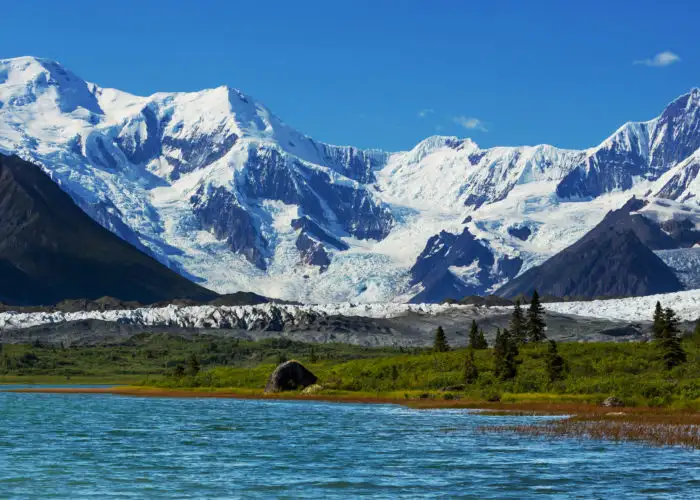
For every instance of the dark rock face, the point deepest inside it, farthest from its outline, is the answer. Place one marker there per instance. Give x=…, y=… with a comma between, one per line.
x=509, y=266
x=50, y=250
x=678, y=130
x=270, y=174
x=188, y=155
x=219, y=211
x=312, y=229
x=613, y=167
x=679, y=182
x=354, y=163
x=682, y=232
x=446, y=250
x=522, y=233
x=611, y=260
x=136, y=149
x=289, y=376
x=312, y=252
x=638, y=151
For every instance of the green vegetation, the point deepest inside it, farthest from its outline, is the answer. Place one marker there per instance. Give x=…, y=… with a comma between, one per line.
x=155, y=355
x=517, y=324
x=505, y=353
x=555, y=363
x=440, y=344
x=535, y=320
x=634, y=372
x=665, y=372
x=471, y=372
x=477, y=340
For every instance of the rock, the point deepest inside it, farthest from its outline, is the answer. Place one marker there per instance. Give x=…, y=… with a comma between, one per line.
x=289, y=376
x=453, y=388
x=313, y=389
x=612, y=402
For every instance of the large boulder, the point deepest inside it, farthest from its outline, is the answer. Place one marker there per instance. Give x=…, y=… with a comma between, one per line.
x=289, y=376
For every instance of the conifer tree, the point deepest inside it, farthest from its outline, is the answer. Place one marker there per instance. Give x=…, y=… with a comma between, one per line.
x=555, y=363
x=481, y=341
x=517, y=324
x=440, y=344
x=659, y=320
x=471, y=373
x=671, y=323
x=473, y=334
x=476, y=337
x=192, y=365
x=669, y=340
x=672, y=351
x=535, y=320
x=505, y=352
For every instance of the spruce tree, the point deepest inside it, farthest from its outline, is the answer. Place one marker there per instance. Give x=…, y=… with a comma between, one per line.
x=440, y=344
x=505, y=352
x=555, y=363
x=669, y=340
x=659, y=320
x=471, y=373
x=481, y=341
x=672, y=351
x=473, y=334
x=192, y=365
x=517, y=324
x=671, y=323
x=535, y=320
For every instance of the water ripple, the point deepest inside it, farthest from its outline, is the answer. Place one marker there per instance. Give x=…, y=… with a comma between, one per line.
x=80, y=446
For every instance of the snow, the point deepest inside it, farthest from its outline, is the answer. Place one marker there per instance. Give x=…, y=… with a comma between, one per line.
x=74, y=130
x=686, y=304
x=245, y=317
x=634, y=309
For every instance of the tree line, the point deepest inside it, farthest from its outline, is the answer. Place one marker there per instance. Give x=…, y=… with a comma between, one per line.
x=530, y=327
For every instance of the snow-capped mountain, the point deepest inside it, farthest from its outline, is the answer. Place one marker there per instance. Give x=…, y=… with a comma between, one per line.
x=215, y=186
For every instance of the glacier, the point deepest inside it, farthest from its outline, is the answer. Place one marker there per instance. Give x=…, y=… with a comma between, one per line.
x=261, y=316
x=218, y=188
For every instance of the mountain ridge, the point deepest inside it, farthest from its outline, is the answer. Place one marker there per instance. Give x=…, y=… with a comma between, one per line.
x=51, y=251
x=210, y=184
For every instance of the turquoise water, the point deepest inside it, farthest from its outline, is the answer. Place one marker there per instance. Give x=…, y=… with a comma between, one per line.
x=87, y=446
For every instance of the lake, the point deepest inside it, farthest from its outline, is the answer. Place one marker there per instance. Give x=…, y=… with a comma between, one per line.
x=77, y=446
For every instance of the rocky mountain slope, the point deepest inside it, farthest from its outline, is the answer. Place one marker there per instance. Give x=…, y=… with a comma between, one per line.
x=215, y=186
x=614, y=259
x=51, y=250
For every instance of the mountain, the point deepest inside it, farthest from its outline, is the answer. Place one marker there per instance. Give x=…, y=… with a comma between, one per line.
x=215, y=186
x=50, y=250
x=614, y=259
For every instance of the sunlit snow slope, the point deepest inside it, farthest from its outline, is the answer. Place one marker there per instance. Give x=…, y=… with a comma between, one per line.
x=215, y=186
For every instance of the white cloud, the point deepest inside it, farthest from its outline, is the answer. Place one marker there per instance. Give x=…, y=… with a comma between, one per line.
x=661, y=59
x=470, y=123
x=425, y=112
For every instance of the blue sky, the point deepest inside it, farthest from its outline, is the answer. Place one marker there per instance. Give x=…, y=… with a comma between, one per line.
x=387, y=74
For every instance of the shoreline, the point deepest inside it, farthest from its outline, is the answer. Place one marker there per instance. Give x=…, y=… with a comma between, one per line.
x=644, y=425
x=535, y=406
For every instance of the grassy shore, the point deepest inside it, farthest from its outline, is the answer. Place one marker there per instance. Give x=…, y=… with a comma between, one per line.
x=661, y=406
